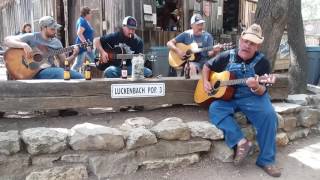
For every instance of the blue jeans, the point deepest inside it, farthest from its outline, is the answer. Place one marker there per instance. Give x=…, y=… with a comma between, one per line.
x=56, y=73
x=79, y=60
x=115, y=72
x=259, y=112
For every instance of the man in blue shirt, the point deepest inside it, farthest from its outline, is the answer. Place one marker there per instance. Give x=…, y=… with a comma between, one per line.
x=125, y=36
x=85, y=33
x=195, y=35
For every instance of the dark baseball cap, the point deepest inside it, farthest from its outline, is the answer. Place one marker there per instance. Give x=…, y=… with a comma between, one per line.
x=130, y=22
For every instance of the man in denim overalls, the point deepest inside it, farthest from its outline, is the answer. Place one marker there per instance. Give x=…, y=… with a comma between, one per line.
x=251, y=98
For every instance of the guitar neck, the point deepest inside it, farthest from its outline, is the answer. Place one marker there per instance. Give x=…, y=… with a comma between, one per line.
x=60, y=51
x=240, y=81
x=203, y=49
x=125, y=56
x=234, y=82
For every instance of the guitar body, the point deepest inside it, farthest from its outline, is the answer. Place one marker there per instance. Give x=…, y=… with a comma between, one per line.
x=21, y=67
x=175, y=61
x=112, y=56
x=219, y=92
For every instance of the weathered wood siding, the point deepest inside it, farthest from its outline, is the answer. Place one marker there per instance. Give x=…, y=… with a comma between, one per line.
x=247, y=11
x=213, y=21
x=15, y=13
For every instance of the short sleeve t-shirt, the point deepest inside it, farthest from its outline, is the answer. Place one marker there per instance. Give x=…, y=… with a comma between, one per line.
x=35, y=40
x=88, y=32
x=204, y=40
x=109, y=41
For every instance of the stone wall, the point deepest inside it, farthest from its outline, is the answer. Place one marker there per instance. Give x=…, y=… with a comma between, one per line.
x=90, y=150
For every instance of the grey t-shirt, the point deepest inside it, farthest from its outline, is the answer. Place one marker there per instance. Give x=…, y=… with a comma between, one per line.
x=36, y=42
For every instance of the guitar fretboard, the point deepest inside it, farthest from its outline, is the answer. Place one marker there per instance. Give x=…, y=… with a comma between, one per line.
x=53, y=52
x=233, y=82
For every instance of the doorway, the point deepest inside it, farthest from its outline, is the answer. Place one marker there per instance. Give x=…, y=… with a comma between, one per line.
x=230, y=15
x=169, y=15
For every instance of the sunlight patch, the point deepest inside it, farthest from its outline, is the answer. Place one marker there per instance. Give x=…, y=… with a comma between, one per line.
x=309, y=155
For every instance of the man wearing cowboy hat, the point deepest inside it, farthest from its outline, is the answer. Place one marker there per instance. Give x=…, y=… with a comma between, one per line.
x=250, y=98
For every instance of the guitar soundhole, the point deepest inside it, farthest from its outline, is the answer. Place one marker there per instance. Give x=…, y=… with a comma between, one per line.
x=37, y=57
x=216, y=85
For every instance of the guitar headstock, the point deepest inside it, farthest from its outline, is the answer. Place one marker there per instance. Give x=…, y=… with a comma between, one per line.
x=150, y=56
x=224, y=46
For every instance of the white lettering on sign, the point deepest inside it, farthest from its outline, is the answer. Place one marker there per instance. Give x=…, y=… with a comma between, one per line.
x=137, y=90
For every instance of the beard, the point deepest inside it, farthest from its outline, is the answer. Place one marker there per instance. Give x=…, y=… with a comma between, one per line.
x=49, y=35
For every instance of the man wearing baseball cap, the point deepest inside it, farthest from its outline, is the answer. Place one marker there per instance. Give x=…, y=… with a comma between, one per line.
x=194, y=35
x=126, y=35
x=251, y=98
x=45, y=39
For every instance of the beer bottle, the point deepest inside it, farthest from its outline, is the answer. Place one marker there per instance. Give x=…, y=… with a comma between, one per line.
x=124, y=70
x=66, y=74
x=87, y=71
x=187, y=70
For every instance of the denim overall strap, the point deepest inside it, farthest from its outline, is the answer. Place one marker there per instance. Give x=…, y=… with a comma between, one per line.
x=242, y=70
x=258, y=57
x=232, y=57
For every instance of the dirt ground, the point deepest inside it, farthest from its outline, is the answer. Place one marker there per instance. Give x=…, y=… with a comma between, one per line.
x=299, y=160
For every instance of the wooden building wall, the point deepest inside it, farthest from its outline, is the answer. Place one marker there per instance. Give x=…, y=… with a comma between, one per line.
x=17, y=12
x=247, y=11
x=108, y=15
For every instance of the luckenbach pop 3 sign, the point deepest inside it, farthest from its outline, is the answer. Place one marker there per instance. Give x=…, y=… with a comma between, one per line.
x=137, y=90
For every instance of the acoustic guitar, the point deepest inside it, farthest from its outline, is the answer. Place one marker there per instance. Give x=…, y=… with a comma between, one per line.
x=222, y=87
x=116, y=54
x=21, y=67
x=191, y=50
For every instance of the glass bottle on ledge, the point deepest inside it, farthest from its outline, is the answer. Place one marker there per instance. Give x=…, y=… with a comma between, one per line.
x=187, y=70
x=66, y=73
x=87, y=71
x=124, y=69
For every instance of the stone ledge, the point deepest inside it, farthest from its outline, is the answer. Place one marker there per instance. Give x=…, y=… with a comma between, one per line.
x=172, y=143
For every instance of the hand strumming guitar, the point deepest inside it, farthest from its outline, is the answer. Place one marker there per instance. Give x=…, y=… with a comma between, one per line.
x=104, y=56
x=207, y=86
x=181, y=54
x=27, y=50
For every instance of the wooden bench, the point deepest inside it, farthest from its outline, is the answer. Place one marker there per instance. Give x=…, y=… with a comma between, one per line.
x=28, y=95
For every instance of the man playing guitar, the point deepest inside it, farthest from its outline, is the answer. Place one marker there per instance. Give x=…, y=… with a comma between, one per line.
x=46, y=42
x=129, y=42
x=250, y=98
x=195, y=35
